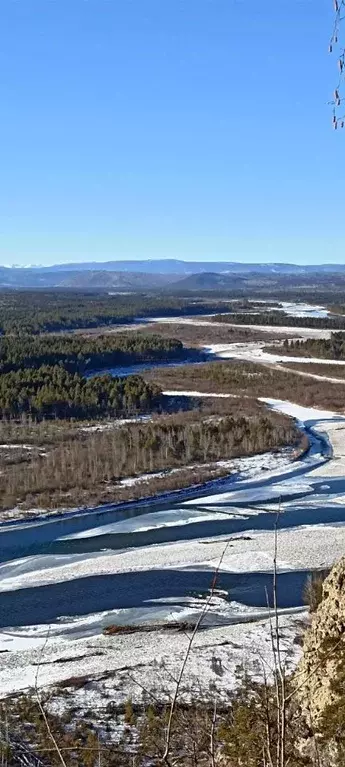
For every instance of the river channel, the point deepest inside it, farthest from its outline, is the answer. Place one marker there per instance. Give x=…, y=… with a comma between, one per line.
x=34, y=548
x=74, y=565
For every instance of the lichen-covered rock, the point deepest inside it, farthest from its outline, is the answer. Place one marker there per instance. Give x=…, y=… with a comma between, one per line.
x=319, y=678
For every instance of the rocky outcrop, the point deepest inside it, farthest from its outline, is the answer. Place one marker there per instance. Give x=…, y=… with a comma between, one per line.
x=319, y=679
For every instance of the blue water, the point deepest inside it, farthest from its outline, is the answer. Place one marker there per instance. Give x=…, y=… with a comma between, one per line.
x=45, y=604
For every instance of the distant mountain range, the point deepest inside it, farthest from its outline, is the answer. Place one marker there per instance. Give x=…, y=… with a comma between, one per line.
x=154, y=274
x=209, y=281
x=87, y=279
x=175, y=266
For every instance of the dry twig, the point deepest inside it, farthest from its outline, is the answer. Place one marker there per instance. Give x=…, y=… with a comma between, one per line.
x=165, y=757
x=40, y=706
x=337, y=102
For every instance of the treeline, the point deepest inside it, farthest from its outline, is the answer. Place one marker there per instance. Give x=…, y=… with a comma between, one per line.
x=53, y=392
x=332, y=348
x=87, y=470
x=49, y=311
x=281, y=319
x=79, y=354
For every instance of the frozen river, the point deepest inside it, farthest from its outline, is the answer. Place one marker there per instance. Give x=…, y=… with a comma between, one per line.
x=154, y=561
x=74, y=566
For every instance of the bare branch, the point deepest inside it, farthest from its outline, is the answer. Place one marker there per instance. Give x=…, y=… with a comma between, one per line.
x=213, y=727
x=338, y=118
x=165, y=757
x=40, y=706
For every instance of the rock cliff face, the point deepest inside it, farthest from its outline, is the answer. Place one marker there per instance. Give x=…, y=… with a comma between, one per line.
x=319, y=678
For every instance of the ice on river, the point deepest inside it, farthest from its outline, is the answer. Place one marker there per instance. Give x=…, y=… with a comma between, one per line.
x=254, y=352
x=304, y=415
x=303, y=310
x=144, y=523
x=265, y=465
x=251, y=495
x=152, y=575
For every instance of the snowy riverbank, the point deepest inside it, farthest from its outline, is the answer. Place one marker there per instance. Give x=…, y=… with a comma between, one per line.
x=141, y=572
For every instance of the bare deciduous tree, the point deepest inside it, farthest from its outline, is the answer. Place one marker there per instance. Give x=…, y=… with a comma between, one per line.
x=337, y=46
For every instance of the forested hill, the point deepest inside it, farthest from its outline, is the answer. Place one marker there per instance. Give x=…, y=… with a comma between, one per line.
x=80, y=354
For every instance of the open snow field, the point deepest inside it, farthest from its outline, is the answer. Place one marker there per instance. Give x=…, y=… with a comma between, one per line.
x=126, y=667
x=254, y=352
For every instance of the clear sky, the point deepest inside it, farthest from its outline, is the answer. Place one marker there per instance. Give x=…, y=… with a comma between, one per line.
x=194, y=129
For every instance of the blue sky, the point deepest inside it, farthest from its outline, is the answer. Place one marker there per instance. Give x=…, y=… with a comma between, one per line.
x=194, y=129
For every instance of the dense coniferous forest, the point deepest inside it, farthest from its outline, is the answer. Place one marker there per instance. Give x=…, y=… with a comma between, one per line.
x=53, y=392
x=281, y=319
x=51, y=311
x=36, y=312
x=79, y=353
x=332, y=348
